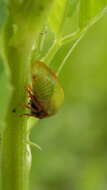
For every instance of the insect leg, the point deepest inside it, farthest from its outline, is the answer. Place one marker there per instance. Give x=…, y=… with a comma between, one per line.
x=29, y=114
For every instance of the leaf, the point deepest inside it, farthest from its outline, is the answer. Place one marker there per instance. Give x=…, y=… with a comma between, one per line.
x=5, y=91
x=64, y=9
x=72, y=5
x=90, y=12
x=57, y=15
x=89, y=9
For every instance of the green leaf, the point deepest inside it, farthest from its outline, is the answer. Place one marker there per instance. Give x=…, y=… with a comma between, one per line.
x=72, y=5
x=57, y=16
x=5, y=91
x=89, y=9
x=64, y=9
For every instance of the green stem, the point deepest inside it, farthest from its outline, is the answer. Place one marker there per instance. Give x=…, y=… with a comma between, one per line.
x=16, y=155
x=21, y=32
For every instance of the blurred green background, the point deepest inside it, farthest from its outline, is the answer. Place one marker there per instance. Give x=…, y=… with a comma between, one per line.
x=74, y=142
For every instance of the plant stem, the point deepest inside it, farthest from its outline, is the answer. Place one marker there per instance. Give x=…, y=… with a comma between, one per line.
x=16, y=155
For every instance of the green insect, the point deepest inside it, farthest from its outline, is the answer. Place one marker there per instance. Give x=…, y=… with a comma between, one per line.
x=46, y=94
